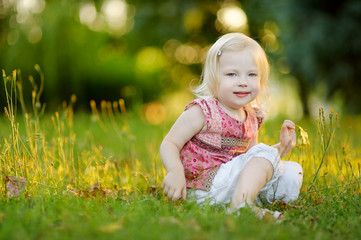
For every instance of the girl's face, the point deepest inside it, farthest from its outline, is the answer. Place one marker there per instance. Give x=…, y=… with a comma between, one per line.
x=239, y=79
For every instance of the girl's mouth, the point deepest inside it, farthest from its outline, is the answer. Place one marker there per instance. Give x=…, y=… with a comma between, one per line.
x=241, y=94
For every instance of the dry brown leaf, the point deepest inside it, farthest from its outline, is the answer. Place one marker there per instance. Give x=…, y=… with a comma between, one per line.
x=72, y=192
x=318, y=202
x=14, y=185
x=268, y=217
x=110, y=193
x=84, y=194
x=95, y=186
x=93, y=191
x=153, y=189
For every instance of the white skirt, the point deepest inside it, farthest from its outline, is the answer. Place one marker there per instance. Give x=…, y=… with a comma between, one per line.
x=284, y=185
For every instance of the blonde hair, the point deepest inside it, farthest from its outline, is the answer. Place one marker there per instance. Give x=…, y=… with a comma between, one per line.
x=226, y=43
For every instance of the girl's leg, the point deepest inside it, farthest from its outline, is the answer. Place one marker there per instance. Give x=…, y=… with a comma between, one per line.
x=287, y=187
x=256, y=173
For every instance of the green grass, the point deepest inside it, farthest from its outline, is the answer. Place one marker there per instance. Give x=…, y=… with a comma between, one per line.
x=62, y=154
x=68, y=217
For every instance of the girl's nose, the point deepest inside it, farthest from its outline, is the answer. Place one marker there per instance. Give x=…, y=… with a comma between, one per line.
x=242, y=81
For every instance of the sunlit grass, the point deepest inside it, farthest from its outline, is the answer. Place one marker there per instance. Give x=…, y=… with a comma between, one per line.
x=111, y=157
x=58, y=150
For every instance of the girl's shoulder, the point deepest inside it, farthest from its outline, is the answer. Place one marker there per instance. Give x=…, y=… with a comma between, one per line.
x=207, y=104
x=209, y=100
x=258, y=114
x=209, y=108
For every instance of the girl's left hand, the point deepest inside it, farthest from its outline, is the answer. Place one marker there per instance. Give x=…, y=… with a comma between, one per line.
x=287, y=137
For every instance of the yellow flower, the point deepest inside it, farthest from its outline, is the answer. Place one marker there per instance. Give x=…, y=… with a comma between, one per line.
x=303, y=137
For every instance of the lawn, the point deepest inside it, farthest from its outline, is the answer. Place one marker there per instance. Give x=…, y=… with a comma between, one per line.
x=98, y=175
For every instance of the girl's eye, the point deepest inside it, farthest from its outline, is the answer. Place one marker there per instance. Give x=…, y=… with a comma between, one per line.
x=253, y=75
x=231, y=74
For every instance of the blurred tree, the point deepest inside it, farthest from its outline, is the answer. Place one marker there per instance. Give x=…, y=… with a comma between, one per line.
x=103, y=49
x=320, y=44
x=74, y=57
x=107, y=49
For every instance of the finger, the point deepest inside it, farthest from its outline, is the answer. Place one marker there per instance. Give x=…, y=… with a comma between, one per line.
x=165, y=190
x=170, y=194
x=294, y=137
x=289, y=124
x=165, y=183
x=184, y=193
x=284, y=132
x=287, y=132
x=176, y=195
x=293, y=133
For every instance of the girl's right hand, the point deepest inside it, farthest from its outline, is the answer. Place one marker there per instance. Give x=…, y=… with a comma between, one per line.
x=174, y=185
x=287, y=137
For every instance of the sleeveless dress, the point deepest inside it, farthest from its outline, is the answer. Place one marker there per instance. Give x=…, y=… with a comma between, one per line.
x=223, y=138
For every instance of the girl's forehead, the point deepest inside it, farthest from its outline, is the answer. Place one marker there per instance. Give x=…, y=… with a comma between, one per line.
x=240, y=56
x=242, y=52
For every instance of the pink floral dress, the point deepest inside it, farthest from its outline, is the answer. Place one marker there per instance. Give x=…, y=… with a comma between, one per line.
x=223, y=139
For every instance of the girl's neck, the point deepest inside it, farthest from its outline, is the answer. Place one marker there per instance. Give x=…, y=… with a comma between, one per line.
x=238, y=114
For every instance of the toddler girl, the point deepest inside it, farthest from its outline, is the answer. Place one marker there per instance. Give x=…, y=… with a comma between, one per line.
x=212, y=148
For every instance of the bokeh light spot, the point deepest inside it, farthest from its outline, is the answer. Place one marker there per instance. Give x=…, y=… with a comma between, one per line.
x=115, y=17
x=33, y=6
x=269, y=39
x=87, y=13
x=154, y=113
x=150, y=59
x=115, y=12
x=232, y=18
x=188, y=53
x=193, y=20
x=170, y=47
x=35, y=34
x=13, y=37
x=283, y=67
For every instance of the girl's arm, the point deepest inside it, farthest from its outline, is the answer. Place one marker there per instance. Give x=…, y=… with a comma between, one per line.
x=187, y=125
x=287, y=138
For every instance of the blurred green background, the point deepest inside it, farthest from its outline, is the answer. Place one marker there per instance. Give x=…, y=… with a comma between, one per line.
x=149, y=51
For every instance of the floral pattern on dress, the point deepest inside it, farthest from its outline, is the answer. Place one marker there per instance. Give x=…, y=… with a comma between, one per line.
x=223, y=139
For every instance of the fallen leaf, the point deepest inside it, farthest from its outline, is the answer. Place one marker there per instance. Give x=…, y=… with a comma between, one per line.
x=268, y=217
x=14, y=185
x=84, y=194
x=95, y=186
x=317, y=202
x=93, y=191
x=98, y=193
